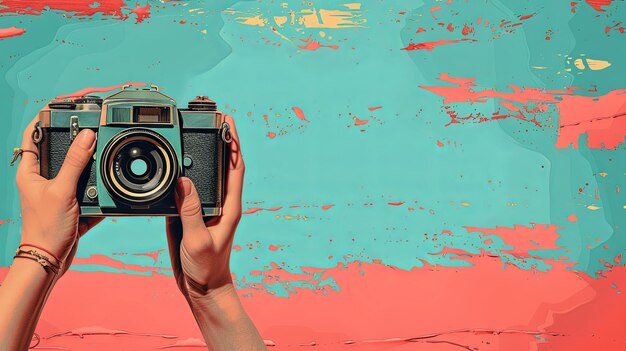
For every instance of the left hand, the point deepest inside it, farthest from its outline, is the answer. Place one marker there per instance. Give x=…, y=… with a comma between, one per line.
x=50, y=217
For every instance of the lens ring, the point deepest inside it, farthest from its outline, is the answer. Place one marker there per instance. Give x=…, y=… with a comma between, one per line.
x=152, y=185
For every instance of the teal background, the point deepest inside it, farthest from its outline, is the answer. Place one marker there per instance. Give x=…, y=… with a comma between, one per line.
x=329, y=160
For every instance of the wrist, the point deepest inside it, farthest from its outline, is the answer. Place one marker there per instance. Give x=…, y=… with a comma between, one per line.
x=221, y=304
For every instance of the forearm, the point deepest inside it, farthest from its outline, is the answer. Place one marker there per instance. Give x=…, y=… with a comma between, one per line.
x=223, y=321
x=22, y=296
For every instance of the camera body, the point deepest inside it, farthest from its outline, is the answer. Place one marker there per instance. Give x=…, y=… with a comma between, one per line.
x=144, y=144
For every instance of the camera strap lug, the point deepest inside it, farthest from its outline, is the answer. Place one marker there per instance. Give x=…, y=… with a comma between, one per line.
x=74, y=127
x=226, y=136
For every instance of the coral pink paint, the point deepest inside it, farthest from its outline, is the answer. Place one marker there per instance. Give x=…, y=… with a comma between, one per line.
x=79, y=7
x=523, y=238
x=439, y=143
x=360, y=122
x=374, y=108
x=467, y=29
x=236, y=247
x=299, y=113
x=91, y=90
x=603, y=117
x=4, y=221
x=113, y=263
x=153, y=255
x=429, y=46
x=273, y=247
x=598, y=4
x=273, y=208
x=398, y=203
x=271, y=135
x=525, y=17
x=450, y=28
x=142, y=13
x=11, y=32
x=326, y=207
x=314, y=45
x=432, y=11
x=485, y=307
x=420, y=30
x=572, y=218
x=253, y=210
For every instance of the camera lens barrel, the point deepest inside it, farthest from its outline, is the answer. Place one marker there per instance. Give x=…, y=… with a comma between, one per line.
x=138, y=167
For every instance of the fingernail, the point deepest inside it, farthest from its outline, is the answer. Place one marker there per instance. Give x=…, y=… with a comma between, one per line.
x=86, y=138
x=186, y=185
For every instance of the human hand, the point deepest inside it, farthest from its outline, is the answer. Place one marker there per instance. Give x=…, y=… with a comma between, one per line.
x=200, y=250
x=49, y=207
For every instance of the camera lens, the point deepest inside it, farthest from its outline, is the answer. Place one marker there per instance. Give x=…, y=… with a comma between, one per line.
x=138, y=166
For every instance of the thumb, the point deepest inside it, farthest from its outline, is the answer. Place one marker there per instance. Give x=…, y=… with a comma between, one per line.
x=76, y=159
x=189, y=206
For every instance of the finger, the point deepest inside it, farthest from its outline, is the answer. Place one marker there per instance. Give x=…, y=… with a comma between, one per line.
x=86, y=223
x=76, y=159
x=28, y=165
x=234, y=178
x=174, y=229
x=189, y=207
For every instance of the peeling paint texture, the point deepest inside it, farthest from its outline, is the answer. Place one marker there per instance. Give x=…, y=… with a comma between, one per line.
x=430, y=175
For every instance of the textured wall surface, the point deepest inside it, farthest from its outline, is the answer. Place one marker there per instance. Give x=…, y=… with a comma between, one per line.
x=421, y=175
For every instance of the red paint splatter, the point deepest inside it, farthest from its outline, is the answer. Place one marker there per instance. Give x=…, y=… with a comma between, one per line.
x=253, y=210
x=4, y=221
x=299, y=113
x=11, y=32
x=603, y=117
x=102, y=260
x=599, y=4
x=271, y=135
x=398, y=203
x=429, y=46
x=450, y=28
x=314, y=45
x=525, y=17
x=374, y=108
x=153, y=255
x=572, y=218
x=360, y=122
x=273, y=247
x=326, y=207
x=439, y=143
x=273, y=208
x=420, y=30
x=432, y=11
x=78, y=7
x=142, y=13
x=236, y=247
x=523, y=238
x=467, y=30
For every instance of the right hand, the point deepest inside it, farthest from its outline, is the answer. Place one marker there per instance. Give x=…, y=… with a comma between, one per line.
x=199, y=249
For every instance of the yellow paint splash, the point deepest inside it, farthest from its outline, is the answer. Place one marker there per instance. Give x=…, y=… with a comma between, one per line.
x=280, y=20
x=465, y=204
x=603, y=174
x=253, y=21
x=353, y=6
x=593, y=207
x=323, y=18
x=594, y=65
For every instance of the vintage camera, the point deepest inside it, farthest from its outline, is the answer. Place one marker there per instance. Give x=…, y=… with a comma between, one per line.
x=144, y=143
